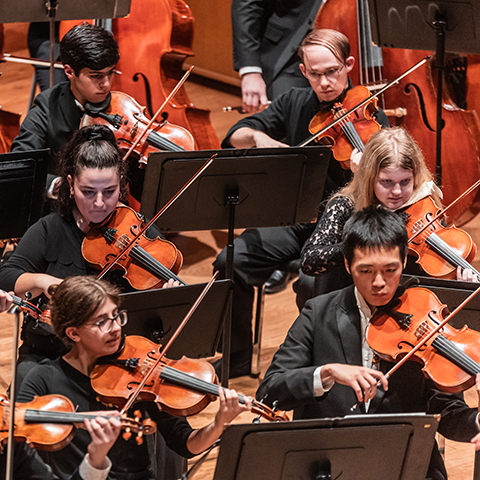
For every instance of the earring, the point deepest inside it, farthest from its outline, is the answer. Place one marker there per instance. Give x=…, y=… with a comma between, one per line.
x=72, y=195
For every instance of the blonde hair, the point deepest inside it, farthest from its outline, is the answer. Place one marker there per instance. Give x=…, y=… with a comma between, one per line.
x=334, y=41
x=389, y=147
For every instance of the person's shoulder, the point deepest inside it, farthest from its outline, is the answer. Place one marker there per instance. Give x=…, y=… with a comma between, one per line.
x=340, y=297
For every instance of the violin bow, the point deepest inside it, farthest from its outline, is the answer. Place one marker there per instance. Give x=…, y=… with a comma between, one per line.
x=362, y=103
x=441, y=213
x=163, y=352
x=147, y=128
x=130, y=244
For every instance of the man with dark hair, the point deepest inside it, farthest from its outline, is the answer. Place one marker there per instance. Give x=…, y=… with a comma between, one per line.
x=89, y=55
x=325, y=365
x=326, y=62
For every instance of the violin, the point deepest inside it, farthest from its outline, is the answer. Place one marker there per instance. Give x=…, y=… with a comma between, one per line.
x=182, y=387
x=353, y=131
x=48, y=422
x=450, y=358
x=439, y=249
x=31, y=309
x=147, y=263
x=127, y=119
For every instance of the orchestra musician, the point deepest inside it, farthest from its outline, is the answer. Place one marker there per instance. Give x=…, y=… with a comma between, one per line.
x=85, y=313
x=95, y=465
x=326, y=62
x=325, y=365
x=93, y=184
x=89, y=55
x=392, y=172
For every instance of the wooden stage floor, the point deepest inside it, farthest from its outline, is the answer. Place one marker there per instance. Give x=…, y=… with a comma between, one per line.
x=199, y=249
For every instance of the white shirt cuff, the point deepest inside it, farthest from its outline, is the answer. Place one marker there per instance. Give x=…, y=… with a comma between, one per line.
x=318, y=388
x=87, y=472
x=52, y=186
x=245, y=70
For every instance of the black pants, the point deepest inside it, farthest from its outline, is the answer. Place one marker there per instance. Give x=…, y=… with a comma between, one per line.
x=258, y=253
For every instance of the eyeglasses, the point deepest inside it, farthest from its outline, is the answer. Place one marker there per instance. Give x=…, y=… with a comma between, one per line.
x=331, y=74
x=106, y=324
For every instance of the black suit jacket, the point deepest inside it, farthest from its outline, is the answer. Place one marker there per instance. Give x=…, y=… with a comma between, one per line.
x=267, y=33
x=328, y=331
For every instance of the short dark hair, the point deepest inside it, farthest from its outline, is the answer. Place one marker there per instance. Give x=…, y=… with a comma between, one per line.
x=88, y=46
x=374, y=228
x=93, y=146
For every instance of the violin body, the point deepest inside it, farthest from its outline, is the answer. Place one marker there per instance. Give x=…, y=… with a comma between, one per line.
x=182, y=387
x=126, y=118
x=45, y=436
x=147, y=264
x=48, y=422
x=114, y=383
x=392, y=338
x=438, y=243
x=354, y=131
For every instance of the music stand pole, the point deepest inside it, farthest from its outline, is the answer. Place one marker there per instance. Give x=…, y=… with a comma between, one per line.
x=11, y=420
x=440, y=26
x=52, y=10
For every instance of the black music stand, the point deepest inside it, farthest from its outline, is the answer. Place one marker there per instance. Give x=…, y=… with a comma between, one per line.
x=22, y=184
x=53, y=10
x=363, y=447
x=445, y=25
x=155, y=314
x=258, y=187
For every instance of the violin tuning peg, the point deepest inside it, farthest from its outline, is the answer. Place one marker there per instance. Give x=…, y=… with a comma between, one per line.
x=139, y=438
x=137, y=415
x=127, y=434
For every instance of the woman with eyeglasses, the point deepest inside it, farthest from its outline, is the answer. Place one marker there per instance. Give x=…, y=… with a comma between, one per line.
x=93, y=183
x=85, y=313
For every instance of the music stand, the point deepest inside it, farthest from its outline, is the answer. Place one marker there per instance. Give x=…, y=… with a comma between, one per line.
x=53, y=10
x=451, y=25
x=22, y=184
x=155, y=314
x=258, y=187
x=363, y=447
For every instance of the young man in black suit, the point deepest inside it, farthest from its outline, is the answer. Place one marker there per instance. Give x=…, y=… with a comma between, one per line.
x=325, y=366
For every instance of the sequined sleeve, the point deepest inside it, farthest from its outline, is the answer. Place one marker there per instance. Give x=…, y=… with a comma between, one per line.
x=323, y=249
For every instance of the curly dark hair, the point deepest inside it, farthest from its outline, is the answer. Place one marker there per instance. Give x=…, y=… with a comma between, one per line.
x=88, y=46
x=76, y=300
x=93, y=146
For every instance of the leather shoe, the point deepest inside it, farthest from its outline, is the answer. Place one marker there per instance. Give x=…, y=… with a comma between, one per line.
x=278, y=281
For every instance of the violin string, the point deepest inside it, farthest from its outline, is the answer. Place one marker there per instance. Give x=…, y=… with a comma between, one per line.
x=162, y=143
x=145, y=258
x=448, y=347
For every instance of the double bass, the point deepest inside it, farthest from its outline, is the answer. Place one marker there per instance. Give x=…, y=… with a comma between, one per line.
x=416, y=96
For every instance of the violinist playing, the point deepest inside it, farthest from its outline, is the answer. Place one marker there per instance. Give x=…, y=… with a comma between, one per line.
x=93, y=184
x=325, y=365
x=325, y=63
x=89, y=55
x=85, y=313
x=392, y=172
x=94, y=466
